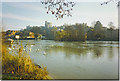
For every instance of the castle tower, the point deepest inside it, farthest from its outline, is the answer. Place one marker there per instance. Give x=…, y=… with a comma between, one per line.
x=48, y=24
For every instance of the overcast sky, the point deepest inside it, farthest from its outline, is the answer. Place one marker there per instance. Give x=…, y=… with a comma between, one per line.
x=17, y=15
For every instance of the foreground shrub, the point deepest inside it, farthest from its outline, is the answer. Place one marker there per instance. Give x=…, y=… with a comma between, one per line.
x=20, y=66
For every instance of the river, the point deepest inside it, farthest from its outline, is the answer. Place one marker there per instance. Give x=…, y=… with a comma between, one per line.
x=76, y=60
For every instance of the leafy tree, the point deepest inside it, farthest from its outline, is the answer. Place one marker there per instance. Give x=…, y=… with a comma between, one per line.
x=90, y=35
x=98, y=25
x=38, y=36
x=73, y=33
x=53, y=32
x=81, y=31
x=36, y=30
x=98, y=32
x=61, y=36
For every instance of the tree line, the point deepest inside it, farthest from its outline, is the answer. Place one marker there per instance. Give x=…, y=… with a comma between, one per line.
x=82, y=32
x=76, y=32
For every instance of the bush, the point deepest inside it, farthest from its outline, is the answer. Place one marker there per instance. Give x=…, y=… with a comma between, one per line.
x=20, y=66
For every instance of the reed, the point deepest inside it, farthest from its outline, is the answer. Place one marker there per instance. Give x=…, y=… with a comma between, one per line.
x=20, y=66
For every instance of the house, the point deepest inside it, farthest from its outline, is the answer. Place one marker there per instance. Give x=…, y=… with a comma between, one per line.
x=11, y=32
x=31, y=35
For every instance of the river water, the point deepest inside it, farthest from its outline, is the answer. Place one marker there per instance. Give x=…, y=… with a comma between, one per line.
x=76, y=60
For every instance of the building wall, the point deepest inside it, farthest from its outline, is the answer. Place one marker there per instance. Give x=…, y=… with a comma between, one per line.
x=48, y=24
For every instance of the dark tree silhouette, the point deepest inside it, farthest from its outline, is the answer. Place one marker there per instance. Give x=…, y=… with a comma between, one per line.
x=59, y=8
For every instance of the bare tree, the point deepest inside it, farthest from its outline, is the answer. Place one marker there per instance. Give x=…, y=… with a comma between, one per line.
x=59, y=8
x=109, y=1
x=93, y=23
x=111, y=25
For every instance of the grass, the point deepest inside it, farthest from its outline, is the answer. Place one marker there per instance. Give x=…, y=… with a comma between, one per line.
x=20, y=66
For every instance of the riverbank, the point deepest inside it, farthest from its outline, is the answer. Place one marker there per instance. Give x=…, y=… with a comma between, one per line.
x=20, y=66
x=7, y=76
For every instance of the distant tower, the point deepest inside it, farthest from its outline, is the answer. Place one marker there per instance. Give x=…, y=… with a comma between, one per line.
x=48, y=24
x=28, y=27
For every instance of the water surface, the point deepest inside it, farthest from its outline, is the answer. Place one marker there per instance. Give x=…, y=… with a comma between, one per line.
x=75, y=60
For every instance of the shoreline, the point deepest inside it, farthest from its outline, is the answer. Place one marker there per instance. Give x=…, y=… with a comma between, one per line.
x=48, y=76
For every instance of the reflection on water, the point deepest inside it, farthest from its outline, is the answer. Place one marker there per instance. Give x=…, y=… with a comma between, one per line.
x=97, y=52
x=111, y=52
x=75, y=60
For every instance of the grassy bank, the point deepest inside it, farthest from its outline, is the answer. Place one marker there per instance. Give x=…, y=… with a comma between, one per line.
x=20, y=66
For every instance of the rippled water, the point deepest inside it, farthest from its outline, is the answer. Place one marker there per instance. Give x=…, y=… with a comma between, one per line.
x=76, y=60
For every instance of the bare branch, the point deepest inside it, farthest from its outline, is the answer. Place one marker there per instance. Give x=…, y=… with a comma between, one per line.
x=59, y=8
x=108, y=1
